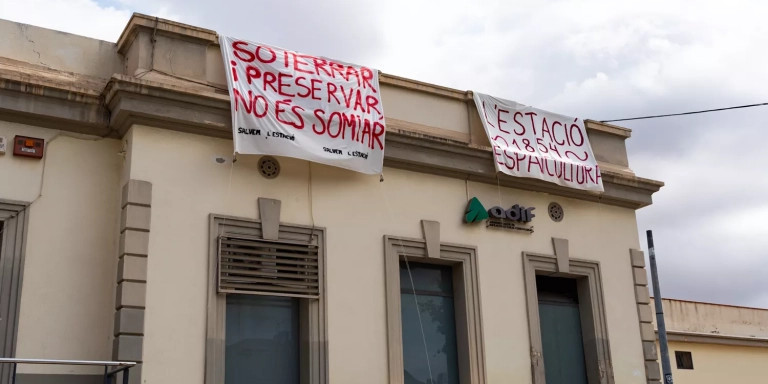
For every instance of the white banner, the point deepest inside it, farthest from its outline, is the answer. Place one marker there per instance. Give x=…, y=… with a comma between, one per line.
x=529, y=142
x=290, y=104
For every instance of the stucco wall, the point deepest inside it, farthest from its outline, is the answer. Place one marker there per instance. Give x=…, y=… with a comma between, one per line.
x=707, y=318
x=409, y=105
x=68, y=283
x=718, y=364
x=357, y=210
x=59, y=50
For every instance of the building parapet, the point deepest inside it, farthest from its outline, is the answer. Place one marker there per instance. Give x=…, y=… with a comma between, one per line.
x=431, y=128
x=706, y=321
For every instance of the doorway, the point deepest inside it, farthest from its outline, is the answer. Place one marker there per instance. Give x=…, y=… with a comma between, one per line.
x=561, y=331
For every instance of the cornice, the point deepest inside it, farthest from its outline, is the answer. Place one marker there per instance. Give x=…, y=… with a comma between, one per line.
x=420, y=86
x=415, y=152
x=163, y=26
x=715, y=338
x=135, y=101
x=181, y=31
x=54, y=99
x=608, y=128
x=127, y=100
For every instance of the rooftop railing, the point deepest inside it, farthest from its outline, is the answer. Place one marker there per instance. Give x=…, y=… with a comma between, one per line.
x=109, y=375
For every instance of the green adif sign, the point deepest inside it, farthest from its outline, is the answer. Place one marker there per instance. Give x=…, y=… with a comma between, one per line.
x=476, y=212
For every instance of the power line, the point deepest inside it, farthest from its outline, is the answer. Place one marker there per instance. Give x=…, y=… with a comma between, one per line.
x=686, y=113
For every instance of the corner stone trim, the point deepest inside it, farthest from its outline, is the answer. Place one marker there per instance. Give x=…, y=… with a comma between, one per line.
x=645, y=315
x=131, y=291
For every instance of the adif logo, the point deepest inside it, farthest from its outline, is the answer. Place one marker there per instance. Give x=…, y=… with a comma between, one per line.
x=476, y=212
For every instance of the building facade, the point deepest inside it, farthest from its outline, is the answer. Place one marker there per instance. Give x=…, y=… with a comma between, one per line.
x=136, y=234
x=715, y=343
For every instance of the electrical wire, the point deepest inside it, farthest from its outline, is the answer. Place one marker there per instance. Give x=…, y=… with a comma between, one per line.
x=418, y=314
x=48, y=142
x=686, y=113
x=152, y=68
x=498, y=187
x=410, y=276
x=309, y=197
x=466, y=187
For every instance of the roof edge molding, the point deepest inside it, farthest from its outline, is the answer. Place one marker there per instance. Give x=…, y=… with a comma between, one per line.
x=174, y=78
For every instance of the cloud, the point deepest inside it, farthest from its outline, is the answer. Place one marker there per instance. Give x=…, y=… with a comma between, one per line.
x=98, y=20
x=595, y=59
x=81, y=17
x=709, y=220
x=340, y=29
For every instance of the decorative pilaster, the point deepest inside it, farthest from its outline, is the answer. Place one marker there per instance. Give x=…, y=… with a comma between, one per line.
x=645, y=314
x=130, y=301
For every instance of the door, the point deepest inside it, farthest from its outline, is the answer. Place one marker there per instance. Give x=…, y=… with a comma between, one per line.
x=12, y=220
x=561, y=339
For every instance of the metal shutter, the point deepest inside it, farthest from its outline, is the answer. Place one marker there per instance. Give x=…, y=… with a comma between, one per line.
x=261, y=267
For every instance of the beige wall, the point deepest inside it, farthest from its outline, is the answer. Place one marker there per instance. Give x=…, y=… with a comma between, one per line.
x=718, y=364
x=410, y=105
x=59, y=50
x=708, y=318
x=714, y=362
x=67, y=294
x=69, y=280
x=357, y=210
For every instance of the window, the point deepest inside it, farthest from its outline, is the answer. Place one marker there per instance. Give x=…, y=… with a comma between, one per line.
x=266, y=312
x=433, y=314
x=684, y=360
x=12, y=237
x=429, y=328
x=566, y=309
x=262, y=337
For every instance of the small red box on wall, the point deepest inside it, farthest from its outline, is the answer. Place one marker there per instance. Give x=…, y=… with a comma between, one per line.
x=28, y=147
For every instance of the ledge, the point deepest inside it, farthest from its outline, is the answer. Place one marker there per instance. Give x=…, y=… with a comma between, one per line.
x=136, y=101
x=713, y=338
x=411, y=151
x=66, y=101
x=607, y=128
x=419, y=130
x=179, y=30
x=37, y=95
x=415, y=85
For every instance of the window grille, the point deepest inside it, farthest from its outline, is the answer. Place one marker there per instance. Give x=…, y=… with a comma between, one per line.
x=261, y=267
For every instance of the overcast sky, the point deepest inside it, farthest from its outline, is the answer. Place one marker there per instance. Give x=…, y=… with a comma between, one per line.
x=592, y=59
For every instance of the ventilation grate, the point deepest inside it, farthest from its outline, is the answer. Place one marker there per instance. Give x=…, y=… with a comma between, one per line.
x=269, y=167
x=261, y=267
x=556, y=212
